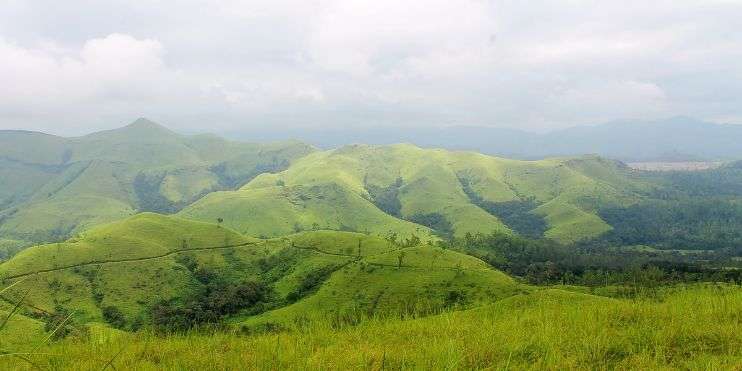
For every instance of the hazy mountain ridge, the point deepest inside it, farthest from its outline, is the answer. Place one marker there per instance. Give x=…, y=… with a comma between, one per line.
x=673, y=139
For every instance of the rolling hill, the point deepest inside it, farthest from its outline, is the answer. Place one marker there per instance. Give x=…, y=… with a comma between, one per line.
x=381, y=189
x=146, y=259
x=52, y=187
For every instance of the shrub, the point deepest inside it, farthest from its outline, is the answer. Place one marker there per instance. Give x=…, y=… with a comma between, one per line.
x=114, y=317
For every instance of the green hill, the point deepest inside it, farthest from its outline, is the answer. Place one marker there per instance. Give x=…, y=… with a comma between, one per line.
x=383, y=188
x=150, y=258
x=53, y=187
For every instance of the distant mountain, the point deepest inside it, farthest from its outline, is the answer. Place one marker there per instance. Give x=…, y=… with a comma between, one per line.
x=674, y=139
x=52, y=186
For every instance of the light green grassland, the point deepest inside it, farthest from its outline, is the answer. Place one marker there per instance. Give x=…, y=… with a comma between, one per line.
x=688, y=328
x=280, y=210
x=125, y=264
x=427, y=280
x=332, y=189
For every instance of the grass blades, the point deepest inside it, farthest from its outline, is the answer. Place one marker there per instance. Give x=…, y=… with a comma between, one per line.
x=694, y=327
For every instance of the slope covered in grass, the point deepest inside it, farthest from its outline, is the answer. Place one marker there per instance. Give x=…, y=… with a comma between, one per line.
x=693, y=328
x=149, y=258
x=52, y=187
x=281, y=210
x=123, y=264
x=452, y=193
x=385, y=279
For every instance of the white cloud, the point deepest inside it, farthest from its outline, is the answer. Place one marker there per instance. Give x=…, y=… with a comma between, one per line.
x=537, y=65
x=111, y=68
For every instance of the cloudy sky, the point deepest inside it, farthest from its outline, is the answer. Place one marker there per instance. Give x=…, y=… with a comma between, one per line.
x=225, y=65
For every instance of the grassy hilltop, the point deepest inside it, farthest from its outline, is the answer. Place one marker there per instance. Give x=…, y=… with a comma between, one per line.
x=149, y=258
x=383, y=188
x=52, y=187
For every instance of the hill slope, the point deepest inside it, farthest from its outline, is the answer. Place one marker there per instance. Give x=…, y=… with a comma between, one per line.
x=51, y=187
x=378, y=188
x=136, y=263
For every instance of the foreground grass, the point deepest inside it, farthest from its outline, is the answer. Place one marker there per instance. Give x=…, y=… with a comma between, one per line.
x=689, y=328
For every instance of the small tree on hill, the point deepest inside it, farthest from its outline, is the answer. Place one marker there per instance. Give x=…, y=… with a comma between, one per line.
x=219, y=221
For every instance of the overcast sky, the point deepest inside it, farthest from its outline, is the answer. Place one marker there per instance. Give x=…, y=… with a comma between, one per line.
x=73, y=67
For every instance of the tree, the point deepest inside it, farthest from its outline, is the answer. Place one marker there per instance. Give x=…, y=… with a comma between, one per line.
x=392, y=238
x=219, y=220
x=400, y=258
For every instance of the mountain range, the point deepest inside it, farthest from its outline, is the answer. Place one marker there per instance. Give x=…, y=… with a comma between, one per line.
x=672, y=139
x=53, y=187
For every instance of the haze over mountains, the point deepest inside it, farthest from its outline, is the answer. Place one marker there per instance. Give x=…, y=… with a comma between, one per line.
x=672, y=139
x=52, y=186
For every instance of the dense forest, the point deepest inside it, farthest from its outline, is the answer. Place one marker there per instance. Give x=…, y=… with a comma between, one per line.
x=595, y=263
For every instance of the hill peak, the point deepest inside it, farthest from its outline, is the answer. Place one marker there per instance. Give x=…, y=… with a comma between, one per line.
x=141, y=130
x=147, y=125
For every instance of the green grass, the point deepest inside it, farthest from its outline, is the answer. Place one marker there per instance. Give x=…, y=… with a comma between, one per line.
x=8, y=248
x=689, y=328
x=568, y=223
x=428, y=280
x=280, y=210
x=335, y=190
x=126, y=264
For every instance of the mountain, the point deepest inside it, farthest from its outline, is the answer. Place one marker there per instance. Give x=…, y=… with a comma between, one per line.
x=52, y=187
x=381, y=189
x=673, y=139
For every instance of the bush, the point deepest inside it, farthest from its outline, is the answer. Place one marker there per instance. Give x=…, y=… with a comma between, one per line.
x=208, y=306
x=114, y=317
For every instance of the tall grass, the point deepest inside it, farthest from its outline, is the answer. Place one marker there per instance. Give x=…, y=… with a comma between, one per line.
x=688, y=328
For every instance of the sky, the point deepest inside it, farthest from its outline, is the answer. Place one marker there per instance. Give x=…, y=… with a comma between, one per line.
x=74, y=67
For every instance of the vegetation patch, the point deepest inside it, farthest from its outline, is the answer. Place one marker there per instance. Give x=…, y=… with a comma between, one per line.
x=436, y=222
x=517, y=214
x=386, y=198
x=691, y=224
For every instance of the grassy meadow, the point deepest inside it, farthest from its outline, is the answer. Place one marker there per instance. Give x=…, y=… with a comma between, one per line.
x=685, y=327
